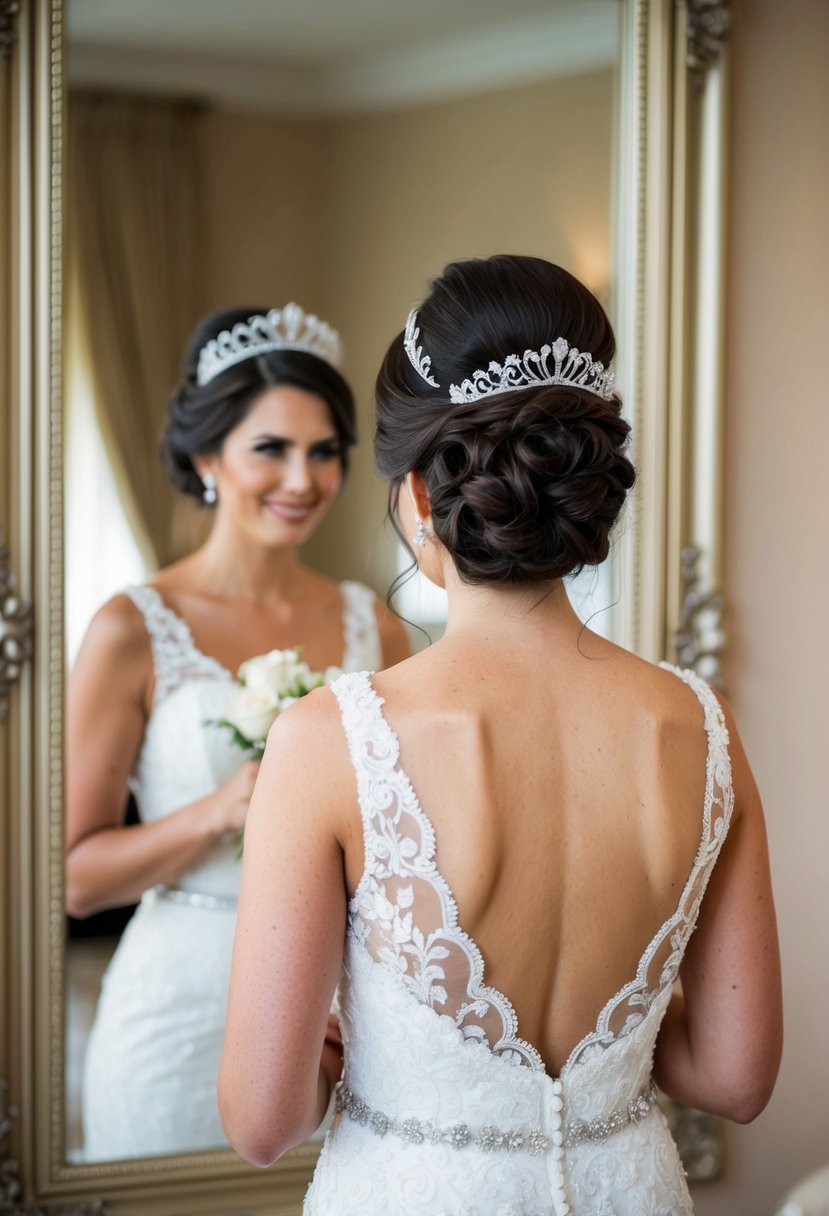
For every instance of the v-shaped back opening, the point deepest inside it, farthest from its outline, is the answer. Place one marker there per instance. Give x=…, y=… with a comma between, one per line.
x=406, y=915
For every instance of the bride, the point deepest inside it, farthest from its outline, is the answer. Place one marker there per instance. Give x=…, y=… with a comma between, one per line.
x=260, y=428
x=499, y=848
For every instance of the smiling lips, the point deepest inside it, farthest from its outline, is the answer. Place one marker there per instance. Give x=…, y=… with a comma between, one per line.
x=291, y=512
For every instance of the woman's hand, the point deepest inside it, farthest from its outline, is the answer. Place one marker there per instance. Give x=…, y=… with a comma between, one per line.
x=229, y=804
x=110, y=692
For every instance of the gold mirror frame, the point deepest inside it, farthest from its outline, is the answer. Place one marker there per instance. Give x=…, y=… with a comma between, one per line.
x=669, y=222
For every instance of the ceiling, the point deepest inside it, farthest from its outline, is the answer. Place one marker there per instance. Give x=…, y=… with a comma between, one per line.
x=306, y=57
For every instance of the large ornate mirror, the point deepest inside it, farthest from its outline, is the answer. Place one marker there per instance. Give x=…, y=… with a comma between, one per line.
x=339, y=155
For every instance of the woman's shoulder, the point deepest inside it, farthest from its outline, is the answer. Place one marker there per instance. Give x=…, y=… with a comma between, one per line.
x=119, y=624
x=311, y=729
x=118, y=644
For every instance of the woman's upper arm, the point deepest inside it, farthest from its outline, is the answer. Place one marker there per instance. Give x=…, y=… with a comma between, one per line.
x=289, y=934
x=394, y=641
x=105, y=718
x=731, y=971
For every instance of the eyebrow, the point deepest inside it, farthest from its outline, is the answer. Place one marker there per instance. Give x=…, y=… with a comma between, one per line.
x=267, y=438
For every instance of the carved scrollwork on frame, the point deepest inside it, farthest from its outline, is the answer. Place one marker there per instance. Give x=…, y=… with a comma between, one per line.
x=15, y=631
x=699, y=637
x=11, y=1201
x=709, y=23
x=8, y=11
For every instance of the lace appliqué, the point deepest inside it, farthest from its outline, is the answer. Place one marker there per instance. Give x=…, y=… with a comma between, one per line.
x=175, y=654
x=361, y=638
x=403, y=912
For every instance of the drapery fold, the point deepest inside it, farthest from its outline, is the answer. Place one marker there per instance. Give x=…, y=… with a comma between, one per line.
x=134, y=245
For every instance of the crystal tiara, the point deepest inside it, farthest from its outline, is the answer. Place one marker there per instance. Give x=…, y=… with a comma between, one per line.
x=530, y=370
x=288, y=328
x=420, y=362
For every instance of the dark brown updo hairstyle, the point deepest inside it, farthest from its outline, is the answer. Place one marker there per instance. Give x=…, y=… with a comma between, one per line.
x=525, y=485
x=200, y=418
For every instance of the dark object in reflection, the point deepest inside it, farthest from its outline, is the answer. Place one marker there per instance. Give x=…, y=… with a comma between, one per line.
x=112, y=921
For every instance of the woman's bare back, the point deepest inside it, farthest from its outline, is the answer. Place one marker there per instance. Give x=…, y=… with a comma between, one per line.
x=567, y=801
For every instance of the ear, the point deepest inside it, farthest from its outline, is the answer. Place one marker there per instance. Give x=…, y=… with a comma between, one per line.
x=205, y=464
x=419, y=495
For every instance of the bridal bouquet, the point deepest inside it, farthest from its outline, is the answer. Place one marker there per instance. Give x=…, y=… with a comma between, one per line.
x=268, y=684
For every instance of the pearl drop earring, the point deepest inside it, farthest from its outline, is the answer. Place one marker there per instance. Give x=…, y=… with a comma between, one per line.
x=209, y=494
x=419, y=537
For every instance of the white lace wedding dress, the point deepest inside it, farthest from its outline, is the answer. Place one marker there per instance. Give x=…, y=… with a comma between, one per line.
x=153, y=1055
x=443, y=1109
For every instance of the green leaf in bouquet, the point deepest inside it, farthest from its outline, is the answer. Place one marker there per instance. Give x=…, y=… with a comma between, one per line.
x=242, y=741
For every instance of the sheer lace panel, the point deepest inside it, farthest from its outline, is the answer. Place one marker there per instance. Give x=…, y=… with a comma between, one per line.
x=175, y=655
x=404, y=915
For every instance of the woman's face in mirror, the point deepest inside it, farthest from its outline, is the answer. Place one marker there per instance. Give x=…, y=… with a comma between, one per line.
x=279, y=469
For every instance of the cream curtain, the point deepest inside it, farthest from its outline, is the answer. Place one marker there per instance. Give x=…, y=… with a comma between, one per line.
x=133, y=296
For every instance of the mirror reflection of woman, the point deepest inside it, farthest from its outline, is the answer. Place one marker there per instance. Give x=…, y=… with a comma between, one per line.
x=259, y=428
x=501, y=846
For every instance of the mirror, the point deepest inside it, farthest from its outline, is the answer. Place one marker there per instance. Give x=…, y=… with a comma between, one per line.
x=326, y=154
x=400, y=160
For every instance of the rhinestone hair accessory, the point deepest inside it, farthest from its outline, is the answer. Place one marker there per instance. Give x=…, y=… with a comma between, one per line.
x=288, y=328
x=420, y=362
x=533, y=370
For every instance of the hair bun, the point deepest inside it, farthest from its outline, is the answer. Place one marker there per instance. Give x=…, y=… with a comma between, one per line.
x=530, y=492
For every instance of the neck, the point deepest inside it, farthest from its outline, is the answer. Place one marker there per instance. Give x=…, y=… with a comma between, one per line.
x=493, y=612
x=228, y=564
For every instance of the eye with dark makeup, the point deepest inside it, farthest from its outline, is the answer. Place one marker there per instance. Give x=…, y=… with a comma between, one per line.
x=324, y=450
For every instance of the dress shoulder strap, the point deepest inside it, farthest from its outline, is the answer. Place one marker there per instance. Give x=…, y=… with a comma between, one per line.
x=175, y=655
x=361, y=637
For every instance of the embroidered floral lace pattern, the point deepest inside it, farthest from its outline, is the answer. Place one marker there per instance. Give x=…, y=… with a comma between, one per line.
x=175, y=655
x=430, y=1045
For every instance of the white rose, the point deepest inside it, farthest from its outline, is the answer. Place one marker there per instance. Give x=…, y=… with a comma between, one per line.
x=331, y=674
x=271, y=671
x=252, y=711
x=302, y=676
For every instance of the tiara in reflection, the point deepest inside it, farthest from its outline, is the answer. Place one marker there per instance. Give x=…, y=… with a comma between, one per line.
x=533, y=369
x=288, y=328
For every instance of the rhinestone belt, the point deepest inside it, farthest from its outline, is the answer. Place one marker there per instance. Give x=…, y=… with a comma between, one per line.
x=492, y=1139
x=196, y=899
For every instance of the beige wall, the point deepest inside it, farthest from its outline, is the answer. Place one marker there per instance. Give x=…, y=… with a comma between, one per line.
x=263, y=206
x=777, y=568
